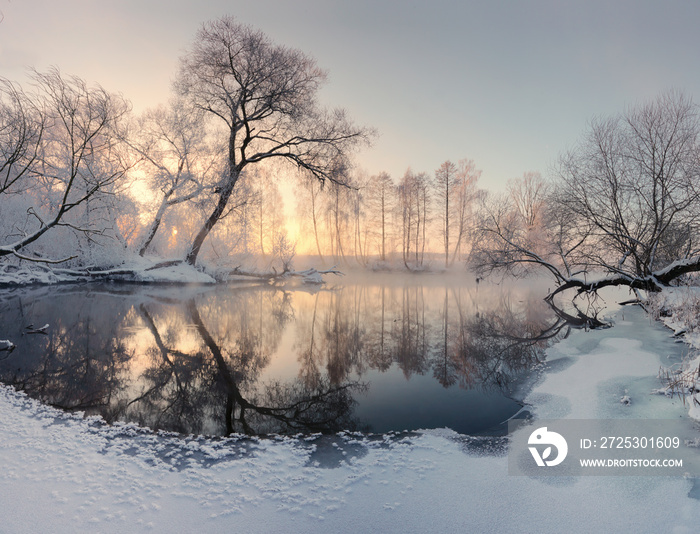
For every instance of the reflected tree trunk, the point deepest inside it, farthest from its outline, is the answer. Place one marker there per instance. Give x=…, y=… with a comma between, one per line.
x=233, y=393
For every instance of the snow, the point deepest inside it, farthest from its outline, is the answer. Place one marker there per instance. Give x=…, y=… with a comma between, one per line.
x=150, y=270
x=62, y=473
x=678, y=308
x=135, y=269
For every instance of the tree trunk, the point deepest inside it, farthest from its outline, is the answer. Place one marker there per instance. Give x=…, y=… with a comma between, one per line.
x=339, y=244
x=313, y=217
x=447, y=223
x=154, y=226
x=383, y=229
x=225, y=194
x=261, y=233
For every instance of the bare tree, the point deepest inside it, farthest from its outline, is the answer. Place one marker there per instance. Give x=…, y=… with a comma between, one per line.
x=466, y=195
x=22, y=125
x=445, y=183
x=267, y=220
x=407, y=208
x=265, y=96
x=177, y=158
x=360, y=227
x=422, y=200
x=338, y=214
x=529, y=194
x=79, y=155
x=381, y=194
x=414, y=206
x=525, y=227
x=626, y=204
x=309, y=205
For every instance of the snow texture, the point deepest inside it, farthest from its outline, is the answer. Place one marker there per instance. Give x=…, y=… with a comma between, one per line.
x=63, y=473
x=148, y=270
x=136, y=269
x=679, y=309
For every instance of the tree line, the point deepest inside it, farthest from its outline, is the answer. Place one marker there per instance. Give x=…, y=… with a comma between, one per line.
x=83, y=182
x=204, y=170
x=419, y=220
x=72, y=156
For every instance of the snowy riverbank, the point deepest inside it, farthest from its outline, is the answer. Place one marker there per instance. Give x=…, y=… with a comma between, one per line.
x=153, y=270
x=679, y=309
x=62, y=473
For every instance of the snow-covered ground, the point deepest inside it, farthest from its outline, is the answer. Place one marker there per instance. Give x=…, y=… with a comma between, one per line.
x=135, y=269
x=153, y=270
x=62, y=473
x=679, y=309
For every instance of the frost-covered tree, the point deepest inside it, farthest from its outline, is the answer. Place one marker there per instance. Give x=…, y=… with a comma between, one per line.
x=625, y=204
x=267, y=219
x=414, y=205
x=310, y=199
x=338, y=216
x=177, y=158
x=381, y=202
x=445, y=185
x=74, y=157
x=358, y=212
x=465, y=196
x=22, y=124
x=264, y=96
x=529, y=196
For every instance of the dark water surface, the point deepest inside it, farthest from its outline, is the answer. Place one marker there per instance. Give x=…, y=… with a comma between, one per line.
x=386, y=353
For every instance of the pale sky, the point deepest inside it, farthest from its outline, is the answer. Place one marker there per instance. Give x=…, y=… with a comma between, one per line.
x=507, y=84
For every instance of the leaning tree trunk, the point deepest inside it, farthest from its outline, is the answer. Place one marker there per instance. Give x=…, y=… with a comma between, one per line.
x=154, y=226
x=653, y=282
x=224, y=196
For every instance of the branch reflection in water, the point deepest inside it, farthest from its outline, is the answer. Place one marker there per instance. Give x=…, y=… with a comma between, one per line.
x=260, y=360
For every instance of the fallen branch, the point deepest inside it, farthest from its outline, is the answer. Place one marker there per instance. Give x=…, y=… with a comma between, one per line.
x=42, y=330
x=164, y=264
x=309, y=276
x=653, y=283
x=41, y=260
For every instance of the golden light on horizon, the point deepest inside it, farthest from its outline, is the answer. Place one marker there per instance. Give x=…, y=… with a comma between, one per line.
x=304, y=244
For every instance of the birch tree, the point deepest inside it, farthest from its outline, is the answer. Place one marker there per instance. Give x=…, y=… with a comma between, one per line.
x=466, y=196
x=445, y=185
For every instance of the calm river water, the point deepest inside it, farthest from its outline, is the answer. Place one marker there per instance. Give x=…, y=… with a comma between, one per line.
x=380, y=354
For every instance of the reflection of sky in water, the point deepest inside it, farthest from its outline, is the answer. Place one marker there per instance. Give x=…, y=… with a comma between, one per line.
x=190, y=359
x=394, y=403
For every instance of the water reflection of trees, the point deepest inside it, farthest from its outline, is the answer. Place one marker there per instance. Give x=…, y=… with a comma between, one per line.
x=198, y=363
x=214, y=387
x=423, y=330
x=71, y=365
x=190, y=366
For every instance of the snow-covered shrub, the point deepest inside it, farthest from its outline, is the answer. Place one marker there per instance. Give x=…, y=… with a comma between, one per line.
x=679, y=308
x=684, y=381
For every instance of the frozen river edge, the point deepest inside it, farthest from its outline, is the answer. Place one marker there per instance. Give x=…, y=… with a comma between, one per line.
x=63, y=473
